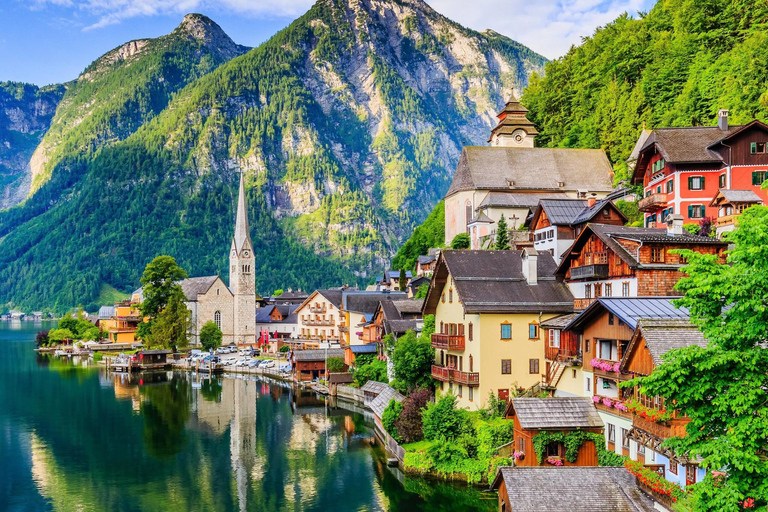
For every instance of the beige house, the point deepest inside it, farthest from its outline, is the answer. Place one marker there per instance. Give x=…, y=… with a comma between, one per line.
x=488, y=308
x=358, y=310
x=319, y=319
x=512, y=175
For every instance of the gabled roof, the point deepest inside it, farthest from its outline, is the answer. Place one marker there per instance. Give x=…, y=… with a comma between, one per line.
x=510, y=199
x=106, y=312
x=367, y=302
x=374, y=387
x=572, y=488
x=332, y=296
x=559, y=322
x=729, y=196
x=481, y=218
x=687, y=144
x=426, y=259
x=193, y=286
x=571, y=212
x=317, y=354
x=399, y=327
x=493, y=282
x=556, y=413
x=382, y=400
x=540, y=169
x=663, y=335
x=408, y=305
x=264, y=315
x=629, y=310
x=612, y=235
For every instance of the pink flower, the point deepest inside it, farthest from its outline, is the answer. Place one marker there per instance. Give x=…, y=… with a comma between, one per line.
x=620, y=406
x=595, y=398
x=607, y=402
x=749, y=503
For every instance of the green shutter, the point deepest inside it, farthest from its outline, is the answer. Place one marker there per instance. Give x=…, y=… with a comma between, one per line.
x=753, y=148
x=703, y=183
x=703, y=211
x=690, y=183
x=690, y=211
x=754, y=178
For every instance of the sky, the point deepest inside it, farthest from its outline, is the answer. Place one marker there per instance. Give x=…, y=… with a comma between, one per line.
x=52, y=41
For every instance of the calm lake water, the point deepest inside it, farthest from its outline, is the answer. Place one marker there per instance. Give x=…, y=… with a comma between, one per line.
x=74, y=438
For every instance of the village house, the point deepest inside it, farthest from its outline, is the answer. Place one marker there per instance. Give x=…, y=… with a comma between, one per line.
x=682, y=169
x=308, y=365
x=606, y=329
x=120, y=321
x=619, y=261
x=320, y=320
x=417, y=282
x=651, y=340
x=557, y=222
x=572, y=489
x=425, y=265
x=279, y=322
x=390, y=280
x=358, y=308
x=488, y=307
x=730, y=204
x=562, y=375
x=534, y=416
x=395, y=317
x=512, y=175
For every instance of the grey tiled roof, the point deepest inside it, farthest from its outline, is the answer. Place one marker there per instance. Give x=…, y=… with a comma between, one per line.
x=556, y=413
x=661, y=336
x=517, y=199
x=426, y=260
x=400, y=326
x=631, y=309
x=572, y=489
x=408, y=305
x=382, y=400
x=688, y=145
x=491, y=168
x=493, y=281
x=374, y=387
x=317, y=354
x=193, y=286
x=366, y=302
x=559, y=322
x=740, y=196
x=106, y=312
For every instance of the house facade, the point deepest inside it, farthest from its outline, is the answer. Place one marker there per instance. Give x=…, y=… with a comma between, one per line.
x=358, y=308
x=729, y=205
x=682, y=169
x=488, y=306
x=320, y=320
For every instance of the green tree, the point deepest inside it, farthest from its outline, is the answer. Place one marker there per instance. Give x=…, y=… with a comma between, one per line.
x=278, y=292
x=441, y=419
x=502, y=235
x=722, y=388
x=169, y=329
x=375, y=370
x=461, y=241
x=412, y=360
x=160, y=280
x=60, y=335
x=335, y=364
x=402, y=281
x=210, y=336
x=422, y=292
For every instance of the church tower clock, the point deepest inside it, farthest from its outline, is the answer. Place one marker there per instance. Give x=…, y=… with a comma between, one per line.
x=242, y=280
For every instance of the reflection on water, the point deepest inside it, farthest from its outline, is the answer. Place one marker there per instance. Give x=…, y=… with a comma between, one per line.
x=76, y=438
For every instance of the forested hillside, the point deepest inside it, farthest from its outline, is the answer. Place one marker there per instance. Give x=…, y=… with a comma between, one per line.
x=674, y=66
x=347, y=126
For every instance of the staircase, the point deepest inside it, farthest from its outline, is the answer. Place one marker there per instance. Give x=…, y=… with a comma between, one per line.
x=550, y=380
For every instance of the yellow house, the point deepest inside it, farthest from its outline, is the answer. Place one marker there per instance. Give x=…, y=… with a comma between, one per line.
x=320, y=319
x=488, y=308
x=120, y=321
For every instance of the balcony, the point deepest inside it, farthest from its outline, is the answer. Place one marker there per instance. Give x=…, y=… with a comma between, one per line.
x=565, y=355
x=594, y=271
x=317, y=309
x=663, y=499
x=611, y=409
x=672, y=428
x=579, y=304
x=446, y=374
x=326, y=323
x=726, y=220
x=652, y=203
x=448, y=341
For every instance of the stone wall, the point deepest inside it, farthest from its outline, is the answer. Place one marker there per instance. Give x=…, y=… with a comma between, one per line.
x=217, y=298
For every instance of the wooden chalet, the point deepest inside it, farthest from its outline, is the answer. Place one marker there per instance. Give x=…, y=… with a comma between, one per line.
x=730, y=204
x=309, y=365
x=533, y=416
x=651, y=340
x=618, y=261
x=571, y=489
x=562, y=351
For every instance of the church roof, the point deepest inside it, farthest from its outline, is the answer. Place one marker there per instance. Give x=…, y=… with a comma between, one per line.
x=193, y=286
x=535, y=169
x=241, y=221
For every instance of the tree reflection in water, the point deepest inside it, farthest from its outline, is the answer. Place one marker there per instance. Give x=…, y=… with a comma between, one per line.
x=210, y=389
x=165, y=409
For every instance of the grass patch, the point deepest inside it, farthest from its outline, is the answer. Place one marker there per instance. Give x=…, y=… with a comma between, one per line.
x=418, y=446
x=109, y=295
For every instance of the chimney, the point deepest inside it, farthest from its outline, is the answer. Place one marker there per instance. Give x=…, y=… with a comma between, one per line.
x=530, y=259
x=722, y=119
x=675, y=224
x=591, y=201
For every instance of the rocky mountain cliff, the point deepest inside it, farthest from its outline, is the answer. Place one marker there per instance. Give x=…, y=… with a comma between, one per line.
x=347, y=125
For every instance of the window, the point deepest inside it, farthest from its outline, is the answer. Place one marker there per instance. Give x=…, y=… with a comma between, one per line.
x=625, y=438
x=721, y=181
x=658, y=189
x=673, y=466
x=606, y=213
x=533, y=331
x=506, y=366
x=553, y=450
x=758, y=177
x=625, y=289
x=759, y=147
x=450, y=296
x=217, y=319
x=521, y=444
x=442, y=327
x=506, y=331
x=217, y=291
x=470, y=394
x=589, y=385
x=598, y=289
x=471, y=329
x=533, y=366
x=461, y=389
x=696, y=211
x=442, y=298
x=670, y=186
x=608, y=290
x=587, y=291
x=657, y=255
x=611, y=319
x=554, y=338
x=573, y=374
x=611, y=433
x=696, y=183
x=641, y=449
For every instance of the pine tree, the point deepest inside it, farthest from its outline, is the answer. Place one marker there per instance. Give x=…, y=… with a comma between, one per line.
x=502, y=235
x=402, y=280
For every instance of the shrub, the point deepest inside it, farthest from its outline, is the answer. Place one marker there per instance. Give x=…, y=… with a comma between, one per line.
x=285, y=348
x=335, y=364
x=41, y=339
x=494, y=465
x=376, y=371
x=448, y=457
x=210, y=335
x=441, y=419
x=490, y=437
x=469, y=443
x=97, y=356
x=409, y=425
x=460, y=241
x=494, y=408
x=389, y=418
x=417, y=462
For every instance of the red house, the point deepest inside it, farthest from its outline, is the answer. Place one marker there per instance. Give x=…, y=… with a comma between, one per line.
x=682, y=169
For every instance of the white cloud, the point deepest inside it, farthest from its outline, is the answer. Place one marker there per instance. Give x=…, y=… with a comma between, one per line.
x=549, y=27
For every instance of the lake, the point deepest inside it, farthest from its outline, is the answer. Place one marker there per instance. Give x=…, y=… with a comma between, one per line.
x=75, y=438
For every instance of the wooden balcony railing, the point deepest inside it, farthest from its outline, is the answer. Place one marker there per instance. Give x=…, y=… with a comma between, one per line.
x=447, y=374
x=672, y=428
x=317, y=309
x=582, y=303
x=726, y=220
x=562, y=354
x=665, y=500
x=448, y=341
x=327, y=323
x=594, y=271
x=652, y=203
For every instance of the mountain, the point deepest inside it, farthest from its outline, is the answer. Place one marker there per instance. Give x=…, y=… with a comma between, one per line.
x=25, y=116
x=673, y=66
x=347, y=125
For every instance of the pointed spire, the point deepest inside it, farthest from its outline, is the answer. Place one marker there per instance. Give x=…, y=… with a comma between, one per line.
x=241, y=221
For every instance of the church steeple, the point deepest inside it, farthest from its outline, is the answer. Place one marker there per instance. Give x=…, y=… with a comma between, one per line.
x=514, y=129
x=242, y=232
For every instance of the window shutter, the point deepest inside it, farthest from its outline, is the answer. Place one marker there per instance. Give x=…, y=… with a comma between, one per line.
x=690, y=211
x=703, y=183
x=690, y=183
x=703, y=211
x=753, y=148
